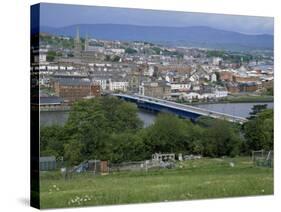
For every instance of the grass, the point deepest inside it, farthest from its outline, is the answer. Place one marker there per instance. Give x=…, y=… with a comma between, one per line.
x=249, y=99
x=200, y=179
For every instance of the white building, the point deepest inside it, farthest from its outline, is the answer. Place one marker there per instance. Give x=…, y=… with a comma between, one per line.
x=40, y=56
x=149, y=71
x=118, y=51
x=180, y=86
x=117, y=85
x=101, y=82
x=216, y=60
x=208, y=96
x=213, y=77
x=220, y=94
x=191, y=96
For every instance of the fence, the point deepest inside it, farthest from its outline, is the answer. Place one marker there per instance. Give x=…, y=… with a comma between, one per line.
x=140, y=165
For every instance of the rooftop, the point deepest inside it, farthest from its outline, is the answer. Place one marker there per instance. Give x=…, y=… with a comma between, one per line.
x=73, y=81
x=47, y=100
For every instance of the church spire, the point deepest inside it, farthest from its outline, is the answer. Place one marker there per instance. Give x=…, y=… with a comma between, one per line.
x=77, y=44
x=77, y=34
x=86, y=42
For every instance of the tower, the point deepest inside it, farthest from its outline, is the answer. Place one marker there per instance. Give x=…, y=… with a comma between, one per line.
x=86, y=43
x=77, y=45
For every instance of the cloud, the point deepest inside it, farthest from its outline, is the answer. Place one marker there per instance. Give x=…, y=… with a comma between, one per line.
x=58, y=15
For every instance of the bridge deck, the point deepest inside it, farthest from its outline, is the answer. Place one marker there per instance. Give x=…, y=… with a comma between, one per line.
x=182, y=107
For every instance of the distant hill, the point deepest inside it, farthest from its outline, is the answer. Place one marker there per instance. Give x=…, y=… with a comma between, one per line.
x=197, y=36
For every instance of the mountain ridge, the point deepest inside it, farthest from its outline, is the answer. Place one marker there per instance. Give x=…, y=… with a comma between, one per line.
x=197, y=36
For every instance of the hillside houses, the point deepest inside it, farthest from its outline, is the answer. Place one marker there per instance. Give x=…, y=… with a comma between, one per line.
x=151, y=69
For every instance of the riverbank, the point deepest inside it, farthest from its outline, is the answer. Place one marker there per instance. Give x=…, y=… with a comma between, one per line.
x=237, y=99
x=249, y=99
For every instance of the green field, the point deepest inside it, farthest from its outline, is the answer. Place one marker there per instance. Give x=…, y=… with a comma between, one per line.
x=198, y=179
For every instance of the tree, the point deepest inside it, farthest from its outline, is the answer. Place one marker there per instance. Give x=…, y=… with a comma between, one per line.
x=221, y=139
x=197, y=141
x=257, y=109
x=270, y=91
x=91, y=123
x=51, y=56
x=168, y=134
x=120, y=115
x=108, y=128
x=130, y=50
x=73, y=154
x=116, y=58
x=126, y=147
x=259, y=131
x=52, y=139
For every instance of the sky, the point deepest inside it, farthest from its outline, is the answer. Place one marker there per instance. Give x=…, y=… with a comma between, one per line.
x=60, y=15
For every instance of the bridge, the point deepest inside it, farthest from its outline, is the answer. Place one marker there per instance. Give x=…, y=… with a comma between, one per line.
x=185, y=111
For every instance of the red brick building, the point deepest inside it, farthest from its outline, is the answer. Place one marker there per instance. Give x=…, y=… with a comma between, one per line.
x=72, y=90
x=245, y=79
x=233, y=87
x=248, y=87
x=226, y=76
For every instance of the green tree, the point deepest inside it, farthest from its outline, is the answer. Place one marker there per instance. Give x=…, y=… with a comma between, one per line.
x=73, y=152
x=221, y=139
x=116, y=58
x=126, y=147
x=197, y=141
x=259, y=131
x=257, y=109
x=120, y=115
x=91, y=123
x=51, y=55
x=130, y=50
x=168, y=134
x=88, y=125
x=52, y=139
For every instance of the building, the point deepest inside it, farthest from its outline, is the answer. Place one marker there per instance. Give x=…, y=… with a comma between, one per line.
x=102, y=82
x=248, y=87
x=192, y=96
x=117, y=85
x=232, y=87
x=220, y=93
x=217, y=61
x=50, y=102
x=213, y=77
x=40, y=55
x=226, y=76
x=180, y=86
x=155, y=89
x=237, y=78
x=73, y=89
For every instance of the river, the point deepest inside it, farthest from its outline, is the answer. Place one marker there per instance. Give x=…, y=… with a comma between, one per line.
x=236, y=109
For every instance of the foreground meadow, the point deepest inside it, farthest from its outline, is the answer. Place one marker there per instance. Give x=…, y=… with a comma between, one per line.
x=198, y=179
